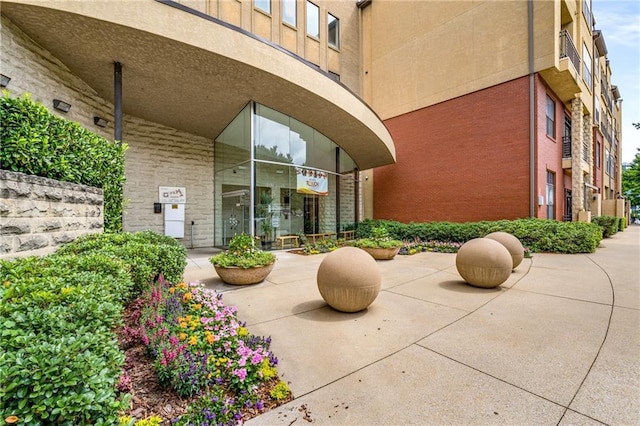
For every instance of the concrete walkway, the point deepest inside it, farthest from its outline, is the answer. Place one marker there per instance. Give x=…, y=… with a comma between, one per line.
x=558, y=343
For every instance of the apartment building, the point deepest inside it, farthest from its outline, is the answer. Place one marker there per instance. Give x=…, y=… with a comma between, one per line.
x=295, y=116
x=497, y=109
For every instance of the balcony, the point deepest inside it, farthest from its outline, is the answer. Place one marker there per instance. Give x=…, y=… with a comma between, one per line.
x=566, y=147
x=568, y=49
x=564, y=76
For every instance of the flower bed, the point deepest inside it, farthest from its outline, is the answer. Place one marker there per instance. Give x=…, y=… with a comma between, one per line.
x=200, y=348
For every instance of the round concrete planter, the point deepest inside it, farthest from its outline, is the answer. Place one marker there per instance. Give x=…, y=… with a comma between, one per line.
x=349, y=279
x=511, y=243
x=381, y=253
x=483, y=262
x=239, y=276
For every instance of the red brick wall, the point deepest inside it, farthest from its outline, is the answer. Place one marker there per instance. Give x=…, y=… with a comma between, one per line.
x=549, y=150
x=466, y=159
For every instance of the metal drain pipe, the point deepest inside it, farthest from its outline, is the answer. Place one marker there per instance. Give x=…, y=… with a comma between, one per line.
x=532, y=116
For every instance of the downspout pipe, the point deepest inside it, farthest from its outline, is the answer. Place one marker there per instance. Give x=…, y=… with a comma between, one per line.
x=117, y=101
x=532, y=128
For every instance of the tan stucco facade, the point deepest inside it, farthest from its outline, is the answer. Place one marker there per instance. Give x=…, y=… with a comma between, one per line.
x=195, y=74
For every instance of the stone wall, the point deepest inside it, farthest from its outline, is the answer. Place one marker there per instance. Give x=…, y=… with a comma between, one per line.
x=38, y=214
x=157, y=155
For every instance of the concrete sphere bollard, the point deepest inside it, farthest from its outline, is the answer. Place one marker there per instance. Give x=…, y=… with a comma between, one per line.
x=513, y=244
x=349, y=279
x=483, y=262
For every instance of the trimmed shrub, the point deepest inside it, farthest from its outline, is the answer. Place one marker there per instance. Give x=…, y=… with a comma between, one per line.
x=60, y=358
x=37, y=142
x=609, y=224
x=538, y=235
x=146, y=253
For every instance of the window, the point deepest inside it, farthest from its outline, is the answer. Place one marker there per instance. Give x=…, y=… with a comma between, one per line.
x=598, y=150
x=607, y=161
x=289, y=12
x=334, y=31
x=551, y=117
x=313, y=20
x=586, y=12
x=586, y=66
x=264, y=5
x=551, y=195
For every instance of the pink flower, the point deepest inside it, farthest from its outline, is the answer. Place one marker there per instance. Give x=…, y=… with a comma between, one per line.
x=240, y=373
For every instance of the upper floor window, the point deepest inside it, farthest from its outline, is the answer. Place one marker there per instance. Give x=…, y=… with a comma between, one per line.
x=313, y=20
x=289, y=12
x=551, y=117
x=586, y=65
x=586, y=12
x=334, y=31
x=264, y=5
x=598, y=154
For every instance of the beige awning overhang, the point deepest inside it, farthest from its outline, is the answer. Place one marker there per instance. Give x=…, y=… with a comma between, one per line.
x=194, y=73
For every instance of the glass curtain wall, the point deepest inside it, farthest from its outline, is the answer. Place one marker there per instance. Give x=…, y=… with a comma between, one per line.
x=302, y=183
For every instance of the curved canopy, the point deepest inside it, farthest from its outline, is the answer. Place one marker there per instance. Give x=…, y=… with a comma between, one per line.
x=196, y=73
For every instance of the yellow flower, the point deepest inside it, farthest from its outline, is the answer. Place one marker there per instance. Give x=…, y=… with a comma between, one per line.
x=172, y=290
x=197, y=306
x=187, y=297
x=182, y=336
x=11, y=419
x=210, y=338
x=181, y=285
x=193, y=340
x=242, y=331
x=183, y=324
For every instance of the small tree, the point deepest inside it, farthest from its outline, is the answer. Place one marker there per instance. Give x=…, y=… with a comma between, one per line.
x=631, y=184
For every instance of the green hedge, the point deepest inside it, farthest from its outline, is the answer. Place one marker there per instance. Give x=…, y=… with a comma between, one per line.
x=610, y=224
x=59, y=357
x=146, y=253
x=36, y=142
x=539, y=235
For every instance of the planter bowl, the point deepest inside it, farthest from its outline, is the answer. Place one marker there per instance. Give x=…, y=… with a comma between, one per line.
x=239, y=276
x=379, y=253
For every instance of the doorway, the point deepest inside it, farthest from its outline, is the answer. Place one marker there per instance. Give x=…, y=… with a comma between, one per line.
x=311, y=214
x=568, y=211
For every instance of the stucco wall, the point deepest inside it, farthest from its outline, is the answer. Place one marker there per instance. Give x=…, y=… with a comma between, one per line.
x=421, y=53
x=157, y=155
x=38, y=214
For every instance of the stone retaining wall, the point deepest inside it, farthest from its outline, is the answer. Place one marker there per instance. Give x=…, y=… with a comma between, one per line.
x=39, y=214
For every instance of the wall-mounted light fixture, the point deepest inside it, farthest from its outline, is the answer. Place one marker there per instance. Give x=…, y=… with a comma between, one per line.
x=4, y=80
x=99, y=121
x=61, y=105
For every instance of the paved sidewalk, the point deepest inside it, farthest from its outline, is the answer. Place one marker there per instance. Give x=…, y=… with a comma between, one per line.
x=558, y=343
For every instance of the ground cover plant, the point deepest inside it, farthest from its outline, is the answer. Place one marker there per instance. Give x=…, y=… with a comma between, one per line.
x=204, y=353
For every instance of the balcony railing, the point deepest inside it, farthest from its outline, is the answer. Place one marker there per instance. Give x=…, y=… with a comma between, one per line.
x=566, y=147
x=568, y=49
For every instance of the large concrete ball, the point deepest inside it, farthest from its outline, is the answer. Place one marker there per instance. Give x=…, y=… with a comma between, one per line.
x=349, y=279
x=513, y=244
x=483, y=262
